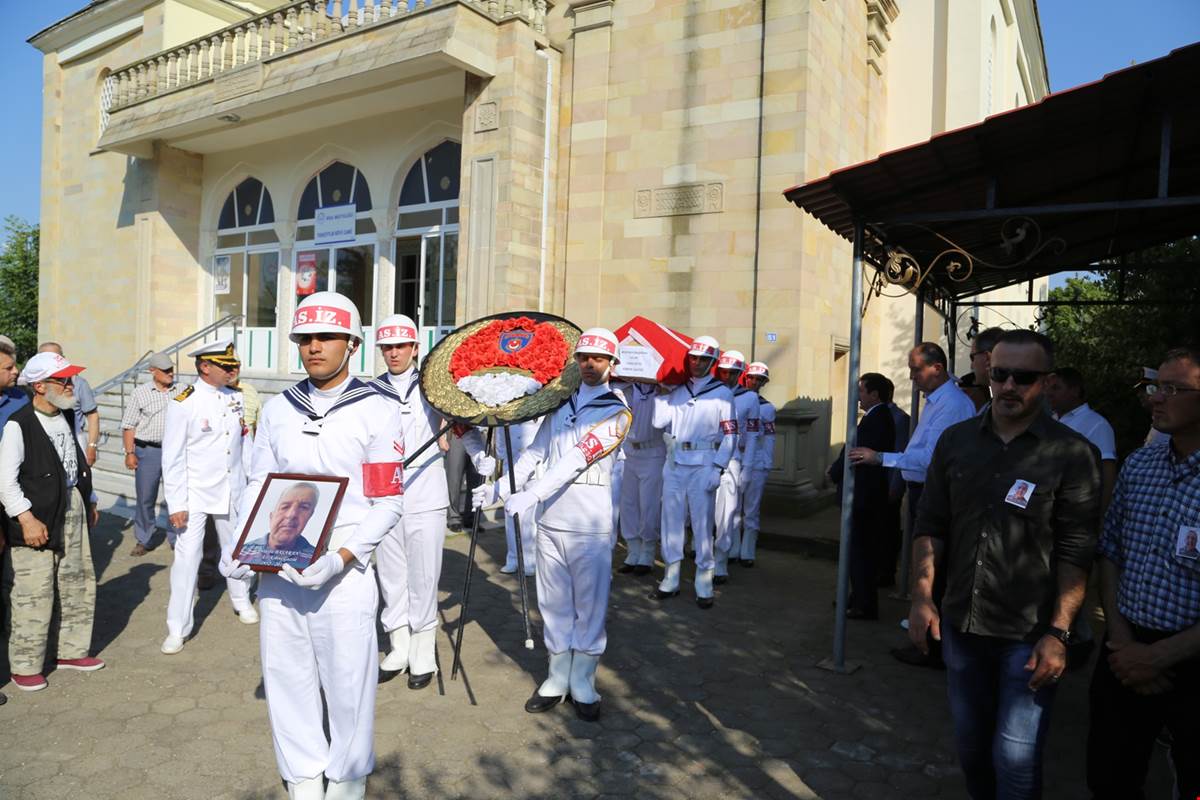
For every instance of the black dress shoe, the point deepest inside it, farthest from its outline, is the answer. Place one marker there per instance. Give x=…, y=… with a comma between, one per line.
x=720, y=580
x=419, y=681
x=588, y=712
x=913, y=657
x=747, y=562
x=537, y=703
x=854, y=613
x=625, y=569
x=659, y=594
x=704, y=602
x=641, y=569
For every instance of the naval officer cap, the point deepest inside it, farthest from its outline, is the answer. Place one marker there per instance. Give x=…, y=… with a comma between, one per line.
x=219, y=352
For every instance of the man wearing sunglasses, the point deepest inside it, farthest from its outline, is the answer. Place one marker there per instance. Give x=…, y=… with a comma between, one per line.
x=1148, y=675
x=1009, y=514
x=142, y=434
x=45, y=487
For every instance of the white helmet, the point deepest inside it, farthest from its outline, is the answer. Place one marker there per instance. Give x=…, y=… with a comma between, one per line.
x=758, y=369
x=705, y=347
x=326, y=312
x=396, y=329
x=598, y=341
x=732, y=360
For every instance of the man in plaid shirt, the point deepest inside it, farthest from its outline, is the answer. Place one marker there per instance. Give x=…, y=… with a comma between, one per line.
x=1148, y=675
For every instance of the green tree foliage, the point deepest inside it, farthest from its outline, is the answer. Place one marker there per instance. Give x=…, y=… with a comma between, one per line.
x=1110, y=344
x=19, y=285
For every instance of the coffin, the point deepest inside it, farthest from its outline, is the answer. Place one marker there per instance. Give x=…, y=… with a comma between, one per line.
x=651, y=353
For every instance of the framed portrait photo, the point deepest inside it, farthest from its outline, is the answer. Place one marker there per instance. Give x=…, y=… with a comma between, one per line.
x=290, y=524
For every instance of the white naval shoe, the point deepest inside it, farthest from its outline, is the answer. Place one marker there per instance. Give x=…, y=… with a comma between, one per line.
x=704, y=588
x=246, y=615
x=172, y=644
x=670, y=582
x=422, y=658
x=397, y=659
x=347, y=790
x=310, y=789
x=556, y=686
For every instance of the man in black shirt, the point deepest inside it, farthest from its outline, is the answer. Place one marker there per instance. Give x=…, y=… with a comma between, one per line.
x=1010, y=512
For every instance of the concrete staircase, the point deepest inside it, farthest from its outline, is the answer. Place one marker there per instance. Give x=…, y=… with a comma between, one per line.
x=114, y=483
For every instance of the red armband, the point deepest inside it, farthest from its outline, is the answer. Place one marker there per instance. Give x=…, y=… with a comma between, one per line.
x=383, y=479
x=752, y=425
x=769, y=428
x=728, y=426
x=591, y=447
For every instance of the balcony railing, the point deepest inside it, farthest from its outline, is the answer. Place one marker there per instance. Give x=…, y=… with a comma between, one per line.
x=291, y=26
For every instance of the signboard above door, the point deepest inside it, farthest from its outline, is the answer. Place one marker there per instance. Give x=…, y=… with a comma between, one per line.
x=335, y=224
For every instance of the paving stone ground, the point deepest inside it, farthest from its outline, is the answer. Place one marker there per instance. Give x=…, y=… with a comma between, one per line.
x=727, y=703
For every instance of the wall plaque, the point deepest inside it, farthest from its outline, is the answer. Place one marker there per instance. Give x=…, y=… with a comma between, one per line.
x=487, y=117
x=235, y=83
x=671, y=201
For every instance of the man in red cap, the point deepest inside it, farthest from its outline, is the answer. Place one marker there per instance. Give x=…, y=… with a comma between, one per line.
x=47, y=525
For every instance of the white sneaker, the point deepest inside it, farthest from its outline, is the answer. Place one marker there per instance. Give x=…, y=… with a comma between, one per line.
x=172, y=644
x=247, y=615
x=508, y=569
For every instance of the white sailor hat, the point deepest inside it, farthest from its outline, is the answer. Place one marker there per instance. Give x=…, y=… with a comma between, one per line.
x=219, y=352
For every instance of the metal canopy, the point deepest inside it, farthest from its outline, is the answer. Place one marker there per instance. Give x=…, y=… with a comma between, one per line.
x=1091, y=173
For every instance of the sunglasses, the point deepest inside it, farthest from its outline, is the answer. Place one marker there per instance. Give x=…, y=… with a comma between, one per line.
x=1021, y=377
x=61, y=381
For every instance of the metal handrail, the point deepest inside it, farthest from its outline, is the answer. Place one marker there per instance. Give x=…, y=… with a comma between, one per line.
x=171, y=350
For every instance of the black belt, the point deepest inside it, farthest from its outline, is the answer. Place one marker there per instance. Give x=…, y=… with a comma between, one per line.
x=144, y=443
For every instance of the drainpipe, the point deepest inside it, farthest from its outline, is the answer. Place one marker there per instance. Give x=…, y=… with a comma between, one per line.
x=762, y=75
x=545, y=185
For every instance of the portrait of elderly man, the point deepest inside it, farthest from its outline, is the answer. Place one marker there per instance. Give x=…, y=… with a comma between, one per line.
x=284, y=541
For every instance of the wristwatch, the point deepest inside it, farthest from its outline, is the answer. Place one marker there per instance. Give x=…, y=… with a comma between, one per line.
x=1058, y=633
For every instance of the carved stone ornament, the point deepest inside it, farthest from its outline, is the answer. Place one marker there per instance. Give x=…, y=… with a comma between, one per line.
x=487, y=117
x=673, y=201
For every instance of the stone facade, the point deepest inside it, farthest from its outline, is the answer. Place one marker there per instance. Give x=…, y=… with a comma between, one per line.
x=618, y=157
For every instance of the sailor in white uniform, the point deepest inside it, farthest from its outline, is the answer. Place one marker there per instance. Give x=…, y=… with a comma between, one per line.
x=757, y=375
x=641, y=485
x=729, y=494
x=575, y=537
x=699, y=414
x=409, y=559
x=522, y=437
x=203, y=476
x=317, y=634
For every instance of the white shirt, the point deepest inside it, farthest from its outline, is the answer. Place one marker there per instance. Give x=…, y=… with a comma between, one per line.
x=766, y=446
x=12, y=453
x=202, y=455
x=701, y=417
x=354, y=427
x=745, y=402
x=944, y=406
x=644, y=440
x=1092, y=426
x=425, y=486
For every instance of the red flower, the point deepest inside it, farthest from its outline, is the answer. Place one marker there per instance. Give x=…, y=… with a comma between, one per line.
x=544, y=355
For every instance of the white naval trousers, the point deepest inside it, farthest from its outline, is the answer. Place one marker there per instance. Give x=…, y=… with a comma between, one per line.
x=409, y=560
x=684, y=496
x=641, y=504
x=728, y=510
x=574, y=573
x=529, y=529
x=756, y=484
x=189, y=549
x=313, y=642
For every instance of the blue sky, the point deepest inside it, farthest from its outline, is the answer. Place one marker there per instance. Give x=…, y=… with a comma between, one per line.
x=1084, y=40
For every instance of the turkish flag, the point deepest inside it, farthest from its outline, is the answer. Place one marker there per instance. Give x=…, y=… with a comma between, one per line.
x=669, y=345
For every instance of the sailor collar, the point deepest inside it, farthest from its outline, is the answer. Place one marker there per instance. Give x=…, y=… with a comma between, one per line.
x=300, y=398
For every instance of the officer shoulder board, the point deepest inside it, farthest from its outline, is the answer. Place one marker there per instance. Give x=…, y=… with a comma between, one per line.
x=185, y=394
x=297, y=395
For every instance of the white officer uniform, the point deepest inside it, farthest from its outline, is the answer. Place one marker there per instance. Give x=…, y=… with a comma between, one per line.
x=522, y=437
x=574, y=543
x=409, y=559
x=729, y=493
x=700, y=415
x=204, y=474
x=764, y=462
x=323, y=641
x=642, y=482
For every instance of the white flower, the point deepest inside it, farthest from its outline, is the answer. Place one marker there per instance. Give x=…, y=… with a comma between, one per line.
x=497, y=388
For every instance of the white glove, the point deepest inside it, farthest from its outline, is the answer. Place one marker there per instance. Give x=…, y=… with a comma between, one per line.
x=714, y=479
x=315, y=575
x=521, y=503
x=229, y=568
x=484, y=464
x=485, y=494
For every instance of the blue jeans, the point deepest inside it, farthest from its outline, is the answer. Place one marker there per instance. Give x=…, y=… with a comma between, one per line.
x=999, y=724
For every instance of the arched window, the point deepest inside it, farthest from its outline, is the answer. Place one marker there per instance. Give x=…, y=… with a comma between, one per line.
x=246, y=269
x=336, y=185
x=427, y=239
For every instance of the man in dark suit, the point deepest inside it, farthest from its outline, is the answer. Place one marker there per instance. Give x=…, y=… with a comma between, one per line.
x=876, y=430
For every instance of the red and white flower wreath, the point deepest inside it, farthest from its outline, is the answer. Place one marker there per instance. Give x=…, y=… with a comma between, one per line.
x=507, y=359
